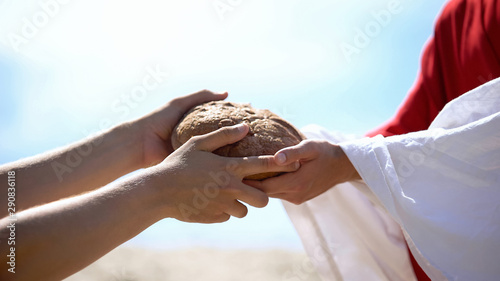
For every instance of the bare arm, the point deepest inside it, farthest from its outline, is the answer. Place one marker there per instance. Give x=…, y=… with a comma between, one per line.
x=74, y=169
x=95, y=162
x=57, y=239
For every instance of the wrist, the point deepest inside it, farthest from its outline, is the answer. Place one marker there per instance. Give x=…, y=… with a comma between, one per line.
x=131, y=138
x=350, y=171
x=345, y=169
x=147, y=190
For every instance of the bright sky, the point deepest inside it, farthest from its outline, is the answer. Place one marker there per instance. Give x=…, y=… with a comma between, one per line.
x=66, y=68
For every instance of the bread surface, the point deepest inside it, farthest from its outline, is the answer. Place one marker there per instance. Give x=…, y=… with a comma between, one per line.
x=267, y=134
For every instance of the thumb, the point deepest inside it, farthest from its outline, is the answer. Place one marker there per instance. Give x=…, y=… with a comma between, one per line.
x=288, y=155
x=221, y=137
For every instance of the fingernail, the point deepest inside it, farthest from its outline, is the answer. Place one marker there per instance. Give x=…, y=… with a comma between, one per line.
x=241, y=127
x=280, y=158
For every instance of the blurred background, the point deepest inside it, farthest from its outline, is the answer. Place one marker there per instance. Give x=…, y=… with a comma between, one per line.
x=69, y=69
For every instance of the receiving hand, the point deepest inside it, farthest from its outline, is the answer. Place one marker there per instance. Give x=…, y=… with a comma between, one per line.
x=156, y=127
x=199, y=186
x=322, y=165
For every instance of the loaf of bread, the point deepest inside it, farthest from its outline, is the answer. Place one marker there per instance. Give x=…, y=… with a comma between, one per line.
x=267, y=134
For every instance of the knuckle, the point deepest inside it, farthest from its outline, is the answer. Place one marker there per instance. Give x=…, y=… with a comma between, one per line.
x=307, y=143
x=266, y=162
x=176, y=102
x=301, y=148
x=323, y=144
x=226, y=131
x=233, y=168
x=194, y=141
x=230, y=189
x=313, y=145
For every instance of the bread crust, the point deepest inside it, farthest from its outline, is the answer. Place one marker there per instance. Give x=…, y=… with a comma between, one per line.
x=267, y=134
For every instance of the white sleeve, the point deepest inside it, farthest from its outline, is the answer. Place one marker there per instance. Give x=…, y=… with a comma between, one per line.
x=347, y=237
x=442, y=186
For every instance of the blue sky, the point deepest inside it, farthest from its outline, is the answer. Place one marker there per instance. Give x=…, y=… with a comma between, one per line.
x=59, y=83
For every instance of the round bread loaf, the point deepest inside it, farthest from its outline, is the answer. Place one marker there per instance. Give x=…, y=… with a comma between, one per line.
x=267, y=134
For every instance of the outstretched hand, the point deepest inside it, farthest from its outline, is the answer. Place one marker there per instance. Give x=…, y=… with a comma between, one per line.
x=199, y=186
x=322, y=165
x=156, y=127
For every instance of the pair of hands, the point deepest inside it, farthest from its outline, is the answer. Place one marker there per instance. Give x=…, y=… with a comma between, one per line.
x=199, y=186
x=193, y=184
x=322, y=166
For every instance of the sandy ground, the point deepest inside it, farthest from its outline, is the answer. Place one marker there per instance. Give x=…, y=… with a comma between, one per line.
x=199, y=264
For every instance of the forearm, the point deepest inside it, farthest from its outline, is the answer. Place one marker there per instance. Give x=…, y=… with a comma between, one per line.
x=77, y=168
x=57, y=239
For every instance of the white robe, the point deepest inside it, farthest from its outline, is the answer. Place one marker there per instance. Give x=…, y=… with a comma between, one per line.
x=439, y=189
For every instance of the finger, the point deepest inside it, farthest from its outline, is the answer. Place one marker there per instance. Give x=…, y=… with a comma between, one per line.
x=280, y=184
x=222, y=218
x=250, y=195
x=256, y=184
x=236, y=209
x=220, y=137
x=216, y=218
x=303, y=150
x=189, y=101
x=282, y=196
x=253, y=165
x=287, y=196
